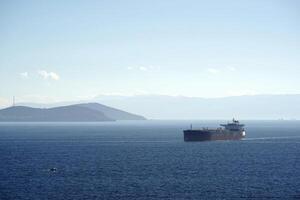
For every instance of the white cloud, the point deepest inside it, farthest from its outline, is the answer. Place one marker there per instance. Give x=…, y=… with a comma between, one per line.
x=130, y=68
x=231, y=69
x=48, y=75
x=213, y=70
x=24, y=74
x=154, y=67
x=143, y=68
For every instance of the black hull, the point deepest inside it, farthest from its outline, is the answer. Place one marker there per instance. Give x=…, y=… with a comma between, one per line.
x=205, y=135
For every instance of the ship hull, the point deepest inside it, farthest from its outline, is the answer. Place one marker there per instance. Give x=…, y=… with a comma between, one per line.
x=209, y=135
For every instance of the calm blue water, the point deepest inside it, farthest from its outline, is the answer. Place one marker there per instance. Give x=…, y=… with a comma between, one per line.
x=147, y=160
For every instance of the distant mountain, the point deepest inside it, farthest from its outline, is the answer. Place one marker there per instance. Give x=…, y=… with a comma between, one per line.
x=89, y=112
x=112, y=112
x=180, y=107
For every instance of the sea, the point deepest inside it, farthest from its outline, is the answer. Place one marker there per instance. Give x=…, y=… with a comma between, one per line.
x=147, y=160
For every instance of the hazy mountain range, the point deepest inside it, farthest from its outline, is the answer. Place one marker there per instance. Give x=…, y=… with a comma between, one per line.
x=180, y=107
x=88, y=112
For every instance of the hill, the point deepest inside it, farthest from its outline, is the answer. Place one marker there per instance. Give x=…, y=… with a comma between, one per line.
x=112, y=113
x=73, y=113
x=180, y=107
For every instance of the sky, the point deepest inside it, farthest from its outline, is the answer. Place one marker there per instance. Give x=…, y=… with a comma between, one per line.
x=71, y=50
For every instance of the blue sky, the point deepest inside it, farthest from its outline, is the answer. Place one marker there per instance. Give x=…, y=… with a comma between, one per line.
x=71, y=50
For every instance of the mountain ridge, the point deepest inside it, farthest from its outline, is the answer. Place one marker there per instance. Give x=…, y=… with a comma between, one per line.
x=180, y=107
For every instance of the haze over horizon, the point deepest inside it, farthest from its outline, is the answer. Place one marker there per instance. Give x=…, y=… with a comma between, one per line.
x=54, y=51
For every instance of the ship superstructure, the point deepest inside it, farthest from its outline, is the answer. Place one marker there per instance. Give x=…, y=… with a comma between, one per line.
x=230, y=131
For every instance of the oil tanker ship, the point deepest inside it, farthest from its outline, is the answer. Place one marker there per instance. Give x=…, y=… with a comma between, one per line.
x=230, y=131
